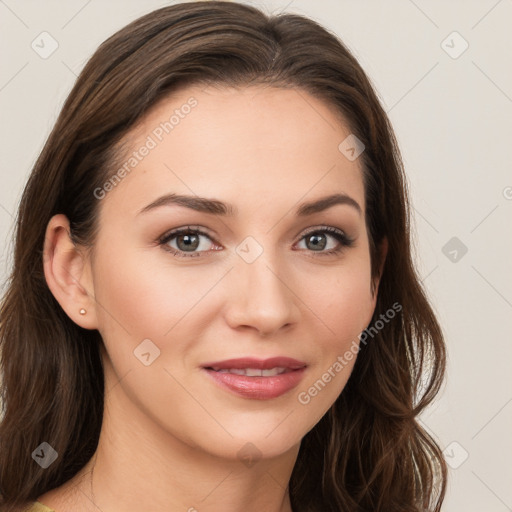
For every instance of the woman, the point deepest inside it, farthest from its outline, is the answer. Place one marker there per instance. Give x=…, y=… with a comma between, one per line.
x=213, y=304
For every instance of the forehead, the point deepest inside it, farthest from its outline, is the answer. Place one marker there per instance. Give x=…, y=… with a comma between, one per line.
x=246, y=146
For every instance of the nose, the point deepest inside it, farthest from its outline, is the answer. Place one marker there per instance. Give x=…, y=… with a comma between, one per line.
x=261, y=297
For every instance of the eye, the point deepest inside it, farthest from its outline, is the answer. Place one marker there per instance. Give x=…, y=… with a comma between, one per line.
x=316, y=239
x=188, y=241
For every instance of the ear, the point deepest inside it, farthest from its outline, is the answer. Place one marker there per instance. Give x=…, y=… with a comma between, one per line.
x=67, y=272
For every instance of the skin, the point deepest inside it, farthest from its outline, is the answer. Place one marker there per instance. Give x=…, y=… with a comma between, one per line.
x=170, y=436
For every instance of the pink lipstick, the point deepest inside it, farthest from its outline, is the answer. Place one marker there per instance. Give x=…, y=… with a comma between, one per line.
x=256, y=378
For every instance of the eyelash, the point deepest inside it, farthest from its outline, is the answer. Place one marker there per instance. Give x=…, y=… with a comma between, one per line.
x=339, y=235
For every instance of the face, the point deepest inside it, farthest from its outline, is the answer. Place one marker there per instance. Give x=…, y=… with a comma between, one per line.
x=267, y=278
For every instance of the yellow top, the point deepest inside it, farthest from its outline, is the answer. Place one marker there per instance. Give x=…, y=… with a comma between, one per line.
x=39, y=507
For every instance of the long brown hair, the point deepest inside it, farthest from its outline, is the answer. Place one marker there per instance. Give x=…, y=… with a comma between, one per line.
x=369, y=451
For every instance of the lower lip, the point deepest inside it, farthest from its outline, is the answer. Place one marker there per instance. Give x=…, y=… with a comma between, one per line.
x=258, y=388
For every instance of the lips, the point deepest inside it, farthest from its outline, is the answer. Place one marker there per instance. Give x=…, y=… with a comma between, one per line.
x=259, y=379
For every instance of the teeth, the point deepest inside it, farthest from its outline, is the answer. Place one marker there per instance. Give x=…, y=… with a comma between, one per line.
x=254, y=372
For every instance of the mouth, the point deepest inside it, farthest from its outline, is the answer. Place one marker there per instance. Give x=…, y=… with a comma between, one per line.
x=257, y=379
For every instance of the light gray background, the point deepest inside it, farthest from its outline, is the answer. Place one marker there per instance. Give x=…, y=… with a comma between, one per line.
x=453, y=120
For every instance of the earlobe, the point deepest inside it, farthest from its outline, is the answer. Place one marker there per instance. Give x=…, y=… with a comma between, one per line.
x=65, y=272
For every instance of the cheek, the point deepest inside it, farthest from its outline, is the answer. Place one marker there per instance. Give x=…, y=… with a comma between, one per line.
x=343, y=306
x=342, y=299
x=141, y=296
x=346, y=304
x=345, y=316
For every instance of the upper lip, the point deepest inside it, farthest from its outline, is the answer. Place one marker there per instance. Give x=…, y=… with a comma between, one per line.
x=261, y=364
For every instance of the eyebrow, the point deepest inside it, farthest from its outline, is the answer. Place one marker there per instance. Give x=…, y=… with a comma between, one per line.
x=215, y=207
